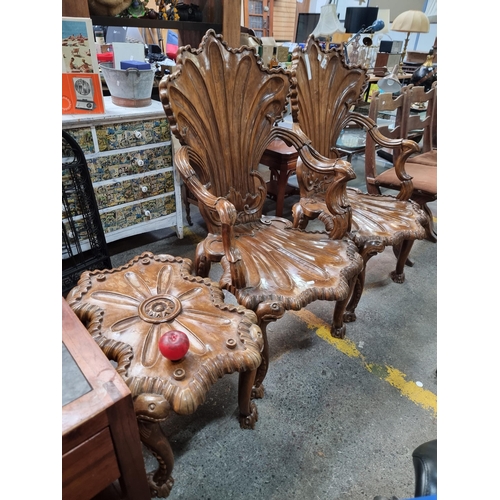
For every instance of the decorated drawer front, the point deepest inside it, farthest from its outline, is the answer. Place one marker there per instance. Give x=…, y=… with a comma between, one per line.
x=75, y=231
x=145, y=211
x=128, y=190
x=109, y=167
x=83, y=136
x=132, y=134
x=124, y=217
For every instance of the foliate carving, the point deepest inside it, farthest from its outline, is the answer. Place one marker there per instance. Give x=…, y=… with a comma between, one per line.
x=226, y=92
x=134, y=306
x=326, y=88
x=224, y=106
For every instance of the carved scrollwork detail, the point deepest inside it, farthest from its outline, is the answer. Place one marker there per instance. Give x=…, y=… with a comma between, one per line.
x=223, y=139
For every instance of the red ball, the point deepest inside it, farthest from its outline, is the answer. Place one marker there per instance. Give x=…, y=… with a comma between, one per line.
x=174, y=345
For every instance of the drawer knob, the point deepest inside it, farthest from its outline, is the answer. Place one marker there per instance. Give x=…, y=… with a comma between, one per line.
x=144, y=189
x=138, y=135
x=147, y=213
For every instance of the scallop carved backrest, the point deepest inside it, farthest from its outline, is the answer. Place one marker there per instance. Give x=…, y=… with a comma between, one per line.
x=324, y=91
x=222, y=104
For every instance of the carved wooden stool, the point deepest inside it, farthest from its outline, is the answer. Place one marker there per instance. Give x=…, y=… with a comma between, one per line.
x=128, y=309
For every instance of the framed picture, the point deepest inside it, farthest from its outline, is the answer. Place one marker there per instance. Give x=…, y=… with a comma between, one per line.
x=81, y=81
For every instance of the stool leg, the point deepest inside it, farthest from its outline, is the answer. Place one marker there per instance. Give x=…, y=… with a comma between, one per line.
x=151, y=409
x=248, y=409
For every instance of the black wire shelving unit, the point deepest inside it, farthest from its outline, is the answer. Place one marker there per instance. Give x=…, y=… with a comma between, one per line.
x=84, y=245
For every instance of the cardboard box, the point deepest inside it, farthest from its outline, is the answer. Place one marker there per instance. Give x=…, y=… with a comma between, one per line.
x=282, y=54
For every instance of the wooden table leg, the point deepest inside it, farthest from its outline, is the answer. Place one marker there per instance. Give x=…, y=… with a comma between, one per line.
x=280, y=195
x=151, y=409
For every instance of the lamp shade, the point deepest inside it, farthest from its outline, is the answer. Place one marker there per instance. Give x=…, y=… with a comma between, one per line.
x=411, y=21
x=328, y=23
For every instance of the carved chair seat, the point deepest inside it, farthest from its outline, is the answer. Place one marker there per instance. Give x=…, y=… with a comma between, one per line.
x=324, y=93
x=128, y=309
x=284, y=266
x=223, y=106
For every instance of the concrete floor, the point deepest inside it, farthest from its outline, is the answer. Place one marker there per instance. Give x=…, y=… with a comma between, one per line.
x=340, y=418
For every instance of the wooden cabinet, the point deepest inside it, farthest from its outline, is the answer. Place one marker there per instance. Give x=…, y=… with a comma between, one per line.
x=100, y=435
x=129, y=157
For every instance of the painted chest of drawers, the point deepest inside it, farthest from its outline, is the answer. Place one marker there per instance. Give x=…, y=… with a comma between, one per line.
x=129, y=157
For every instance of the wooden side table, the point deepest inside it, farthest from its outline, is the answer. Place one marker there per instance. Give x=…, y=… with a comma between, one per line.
x=282, y=161
x=100, y=436
x=128, y=309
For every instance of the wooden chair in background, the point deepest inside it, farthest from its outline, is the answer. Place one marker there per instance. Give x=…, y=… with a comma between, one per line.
x=325, y=90
x=222, y=105
x=420, y=181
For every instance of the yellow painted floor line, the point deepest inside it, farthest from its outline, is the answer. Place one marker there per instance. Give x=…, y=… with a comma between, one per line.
x=409, y=389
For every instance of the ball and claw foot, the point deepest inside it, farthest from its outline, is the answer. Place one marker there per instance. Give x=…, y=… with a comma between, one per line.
x=349, y=317
x=248, y=421
x=160, y=490
x=397, y=278
x=338, y=333
x=258, y=392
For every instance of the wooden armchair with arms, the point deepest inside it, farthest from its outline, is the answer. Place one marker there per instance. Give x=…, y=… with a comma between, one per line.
x=325, y=90
x=420, y=168
x=222, y=105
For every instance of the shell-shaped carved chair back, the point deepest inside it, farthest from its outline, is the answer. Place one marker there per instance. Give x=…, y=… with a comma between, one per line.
x=222, y=103
x=325, y=89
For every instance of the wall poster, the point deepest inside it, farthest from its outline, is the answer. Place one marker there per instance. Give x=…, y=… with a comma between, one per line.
x=81, y=80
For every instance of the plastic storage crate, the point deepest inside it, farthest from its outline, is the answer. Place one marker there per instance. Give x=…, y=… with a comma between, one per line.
x=83, y=242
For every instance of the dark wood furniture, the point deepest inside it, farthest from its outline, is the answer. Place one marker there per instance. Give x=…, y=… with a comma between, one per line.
x=127, y=310
x=100, y=437
x=223, y=106
x=419, y=182
x=221, y=16
x=281, y=160
x=325, y=90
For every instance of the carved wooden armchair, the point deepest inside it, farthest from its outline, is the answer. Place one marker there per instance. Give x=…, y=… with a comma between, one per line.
x=222, y=104
x=420, y=167
x=325, y=90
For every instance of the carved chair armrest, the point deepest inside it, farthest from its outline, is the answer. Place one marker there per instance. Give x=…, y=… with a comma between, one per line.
x=339, y=171
x=311, y=158
x=225, y=210
x=407, y=147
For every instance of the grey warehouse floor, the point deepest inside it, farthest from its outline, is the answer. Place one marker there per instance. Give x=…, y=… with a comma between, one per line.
x=339, y=418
